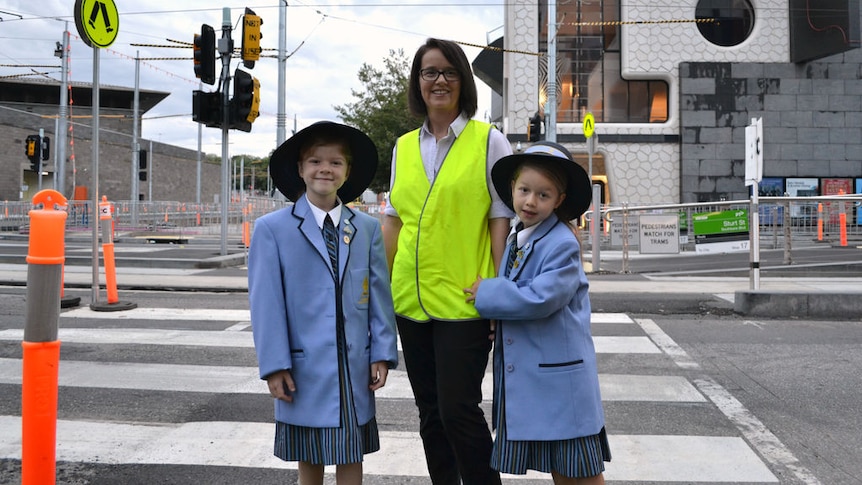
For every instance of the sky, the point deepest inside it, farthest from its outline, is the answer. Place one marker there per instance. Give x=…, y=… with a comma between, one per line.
x=328, y=42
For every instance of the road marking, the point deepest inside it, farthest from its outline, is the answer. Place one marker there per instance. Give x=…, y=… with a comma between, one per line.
x=757, y=434
x=245, y=380
x=238, y=327
x=204, y=314
x=207, y=338
x=665, y=459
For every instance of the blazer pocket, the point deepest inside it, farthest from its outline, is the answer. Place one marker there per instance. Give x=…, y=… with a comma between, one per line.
x=357, y=286
x=570, y=366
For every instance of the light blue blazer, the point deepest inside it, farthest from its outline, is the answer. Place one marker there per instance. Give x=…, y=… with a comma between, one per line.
x=543, y=347
x=292, y=301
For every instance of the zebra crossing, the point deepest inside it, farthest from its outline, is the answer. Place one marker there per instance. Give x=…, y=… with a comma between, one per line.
x=645, y=411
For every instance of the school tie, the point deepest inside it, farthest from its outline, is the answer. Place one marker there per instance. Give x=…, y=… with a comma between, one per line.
x=512, y=255
x=331, y=239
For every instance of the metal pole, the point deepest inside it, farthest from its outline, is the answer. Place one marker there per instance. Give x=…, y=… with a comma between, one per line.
x=225, y=47
x=63, y=118
x=754, y=235
x=94, y=174
x=551, y=104
x=39, y=175
x=281, y=117
x=595, y=224
x=198, y=174
x=150, y=170
x=136, y=148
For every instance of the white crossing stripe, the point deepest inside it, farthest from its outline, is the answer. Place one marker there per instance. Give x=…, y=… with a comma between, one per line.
x=245, y=380
x=209, y=338
x=664, y=459
x=201, y=314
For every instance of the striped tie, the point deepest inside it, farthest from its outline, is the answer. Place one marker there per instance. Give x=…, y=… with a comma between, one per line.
x=329, y=235
x=512, y=255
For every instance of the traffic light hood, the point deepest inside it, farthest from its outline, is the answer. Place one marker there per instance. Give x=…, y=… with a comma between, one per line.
x=578, y=187
x=284, y=164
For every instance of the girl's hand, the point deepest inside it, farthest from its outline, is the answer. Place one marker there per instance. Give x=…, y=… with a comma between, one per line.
x=471, y=292
x=281, y=385
x=379, y=372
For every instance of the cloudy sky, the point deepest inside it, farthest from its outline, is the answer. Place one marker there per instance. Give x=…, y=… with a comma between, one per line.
x=329, y=41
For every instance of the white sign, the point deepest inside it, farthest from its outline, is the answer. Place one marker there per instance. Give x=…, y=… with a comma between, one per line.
x=617, y=231
x=754, y=151
x=659, y=234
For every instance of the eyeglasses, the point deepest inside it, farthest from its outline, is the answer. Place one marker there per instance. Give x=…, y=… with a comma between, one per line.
x=432, y=74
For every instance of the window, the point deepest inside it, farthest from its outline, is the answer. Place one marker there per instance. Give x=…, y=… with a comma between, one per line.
x=588, y=68
x=727, y=22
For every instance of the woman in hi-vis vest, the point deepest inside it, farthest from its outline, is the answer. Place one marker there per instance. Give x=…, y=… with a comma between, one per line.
x=443, y=226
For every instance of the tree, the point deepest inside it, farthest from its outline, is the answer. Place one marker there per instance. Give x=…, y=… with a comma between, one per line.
x=381, y=110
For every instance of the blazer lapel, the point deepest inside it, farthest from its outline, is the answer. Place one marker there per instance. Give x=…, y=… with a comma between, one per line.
x=309, y=228
x=524, y=253
x=346, y=233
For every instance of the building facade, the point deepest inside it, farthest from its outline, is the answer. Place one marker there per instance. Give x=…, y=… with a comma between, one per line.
x=672, y=85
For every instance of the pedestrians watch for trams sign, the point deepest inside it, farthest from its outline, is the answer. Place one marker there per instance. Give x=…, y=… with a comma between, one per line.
x=98, y=22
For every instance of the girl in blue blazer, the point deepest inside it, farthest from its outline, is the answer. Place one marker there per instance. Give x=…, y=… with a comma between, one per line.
x=547, y=406
x=321, y=304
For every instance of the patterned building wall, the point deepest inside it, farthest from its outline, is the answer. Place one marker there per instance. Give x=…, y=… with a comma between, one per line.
x=801, y=105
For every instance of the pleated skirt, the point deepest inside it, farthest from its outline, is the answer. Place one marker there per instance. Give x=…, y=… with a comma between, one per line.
x=577, y=457
x=330, y=446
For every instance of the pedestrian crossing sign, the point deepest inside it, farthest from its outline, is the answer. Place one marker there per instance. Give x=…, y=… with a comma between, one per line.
x=98, y=22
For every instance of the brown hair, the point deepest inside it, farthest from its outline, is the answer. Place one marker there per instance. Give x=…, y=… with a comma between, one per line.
x=467, y=100
x=322, y=139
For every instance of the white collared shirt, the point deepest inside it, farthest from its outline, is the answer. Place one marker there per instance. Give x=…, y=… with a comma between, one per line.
x=320, y=214
x=523, y=235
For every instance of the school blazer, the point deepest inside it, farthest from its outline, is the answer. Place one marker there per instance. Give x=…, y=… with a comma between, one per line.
x=543, y=347
x=292, y=301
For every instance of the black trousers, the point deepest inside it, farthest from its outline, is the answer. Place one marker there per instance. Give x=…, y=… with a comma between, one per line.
x=445, y=363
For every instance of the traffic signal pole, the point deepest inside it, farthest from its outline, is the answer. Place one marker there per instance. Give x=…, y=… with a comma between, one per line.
x=225, y=48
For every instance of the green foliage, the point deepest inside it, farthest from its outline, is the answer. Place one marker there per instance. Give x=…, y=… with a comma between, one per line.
x=380, y=110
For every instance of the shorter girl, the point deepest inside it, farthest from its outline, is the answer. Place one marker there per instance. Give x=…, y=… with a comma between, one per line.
x=547, y=406
x=321, y=304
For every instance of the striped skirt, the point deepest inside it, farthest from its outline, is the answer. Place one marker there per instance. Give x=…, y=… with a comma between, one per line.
x=577, y=457
x=330, y=446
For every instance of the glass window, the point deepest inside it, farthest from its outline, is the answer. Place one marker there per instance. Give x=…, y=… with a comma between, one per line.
x=588, y=68
x=725, y=22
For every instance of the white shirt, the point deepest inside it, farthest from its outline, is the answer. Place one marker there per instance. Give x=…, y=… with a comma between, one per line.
x=320, y=214
x=434, y=151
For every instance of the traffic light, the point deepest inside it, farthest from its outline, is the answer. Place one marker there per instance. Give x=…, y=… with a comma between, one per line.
x=204, y=54
x=245, y=104
x=250, y=38
x=142, y=165
x=207, y=108
x=33, y=150
x=534, y=130
x=46, y=147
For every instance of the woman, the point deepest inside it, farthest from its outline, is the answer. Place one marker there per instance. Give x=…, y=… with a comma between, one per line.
x=443, y=226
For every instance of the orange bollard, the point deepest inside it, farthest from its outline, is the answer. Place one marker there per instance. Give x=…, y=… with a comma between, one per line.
x=114, y=303
x=820, y=221
x=41, y=348
x=198, y=218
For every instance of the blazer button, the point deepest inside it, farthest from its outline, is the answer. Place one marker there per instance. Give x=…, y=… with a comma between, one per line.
x=510, y=368
x=509, y=341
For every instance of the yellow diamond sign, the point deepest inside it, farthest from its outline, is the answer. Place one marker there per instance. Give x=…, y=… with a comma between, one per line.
x=98, y=22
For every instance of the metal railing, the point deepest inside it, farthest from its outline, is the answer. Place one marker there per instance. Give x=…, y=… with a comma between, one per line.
x=784, y=223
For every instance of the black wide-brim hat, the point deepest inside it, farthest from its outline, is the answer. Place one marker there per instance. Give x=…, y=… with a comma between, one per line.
x=284, y=163
x=579, y=192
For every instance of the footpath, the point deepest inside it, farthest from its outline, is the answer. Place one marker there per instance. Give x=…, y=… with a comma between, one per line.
x=201, y=267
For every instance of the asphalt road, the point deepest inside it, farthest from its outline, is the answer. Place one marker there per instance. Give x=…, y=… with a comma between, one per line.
x=784, y=394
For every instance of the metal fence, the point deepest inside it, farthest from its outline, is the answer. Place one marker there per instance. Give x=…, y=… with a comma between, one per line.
x=783, y=222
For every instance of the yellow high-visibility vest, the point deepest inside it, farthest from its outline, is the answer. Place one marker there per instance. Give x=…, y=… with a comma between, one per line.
x=444, y=243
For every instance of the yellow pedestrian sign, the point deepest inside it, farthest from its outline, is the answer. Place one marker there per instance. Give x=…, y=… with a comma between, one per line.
x=98, y=22
x=589, y=125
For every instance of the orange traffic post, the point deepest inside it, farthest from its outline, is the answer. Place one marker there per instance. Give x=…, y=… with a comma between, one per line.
x=842, y=221
x=114, y=303
x=41, y=356
x=820, y=221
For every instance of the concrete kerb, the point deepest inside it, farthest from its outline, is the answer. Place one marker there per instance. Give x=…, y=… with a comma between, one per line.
x=798, y=304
